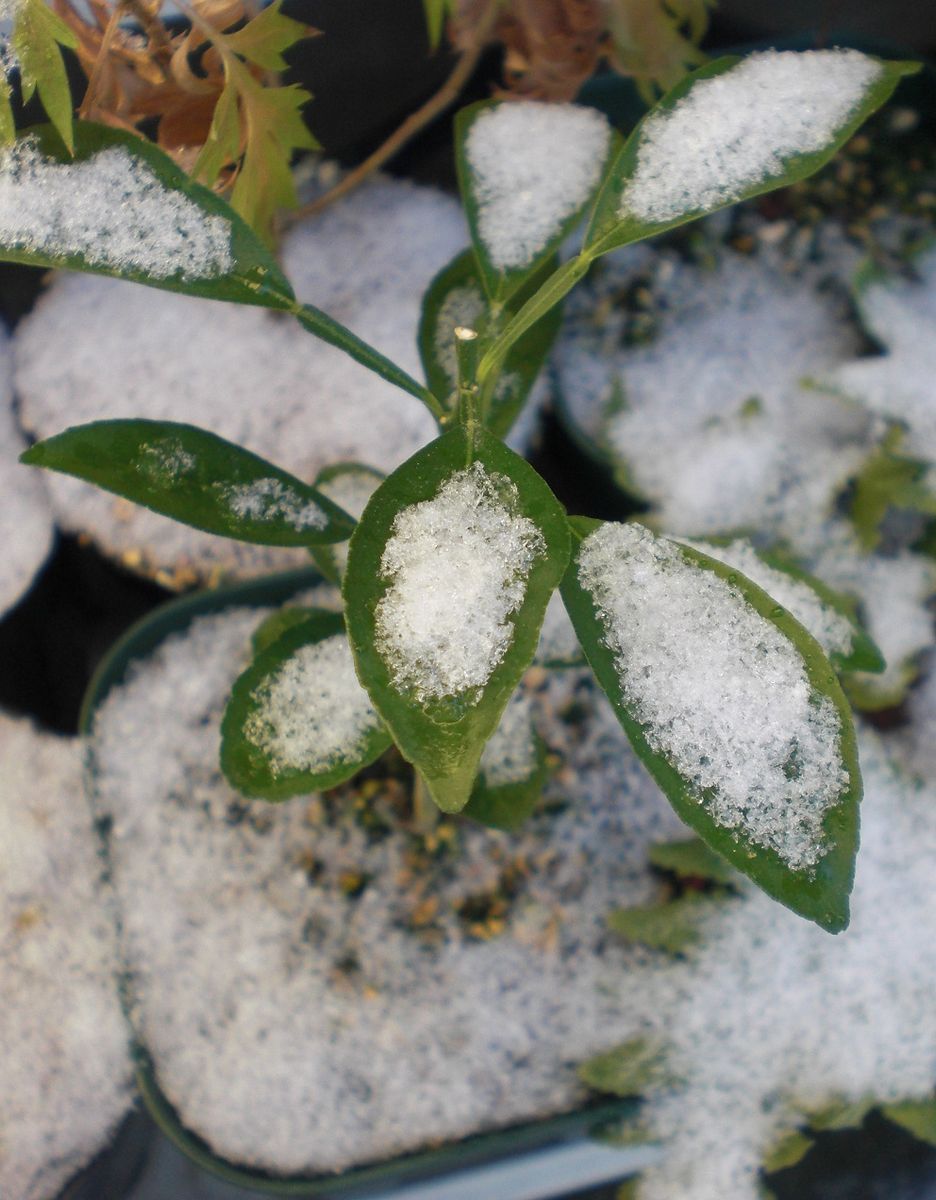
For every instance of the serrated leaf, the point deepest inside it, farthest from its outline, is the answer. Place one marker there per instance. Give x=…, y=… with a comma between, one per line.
x=672, y=925
x=298, y=720
x=350, y=486
x=266, y=36
x=788, y=1151
x=842, y=1114
x=814, y=878
x=524, y=186
x=197, y=478
x=449, y=573
x=38, y=35
x=692, y=859
x=248, y=276
x=513, y=770
x=916, y=1116
x=695, y=120
x=628, y=1070
x=272, y=628
x=456, y=297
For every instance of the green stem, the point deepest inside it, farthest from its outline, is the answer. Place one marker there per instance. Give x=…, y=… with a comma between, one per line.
x=466, y=354
x=425, y=810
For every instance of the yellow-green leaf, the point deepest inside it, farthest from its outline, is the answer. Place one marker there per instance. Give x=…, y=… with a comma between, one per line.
x=38, y=36
x=263, y=40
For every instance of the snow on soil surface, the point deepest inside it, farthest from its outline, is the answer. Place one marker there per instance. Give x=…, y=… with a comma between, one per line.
x=457, y=567
x=96, y=348
x=110, y=210
x=709, y=419
x=718, y=690
x=532, y=166
x=735, y=130
x=26, y=527
x=65, y=1081
x=302, y=1028
x=771, y=1017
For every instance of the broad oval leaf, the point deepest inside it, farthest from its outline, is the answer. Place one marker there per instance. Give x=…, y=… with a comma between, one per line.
x=734, y=129
x=527, y=171
x=456, y=298
x=197, y=478
x=512, y=772
x=830, y=616
x=732, y=706
x=122, y=207
x=298, y=720
x=449, y=573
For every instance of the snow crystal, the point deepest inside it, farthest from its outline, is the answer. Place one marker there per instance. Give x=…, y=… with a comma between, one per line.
x=66, y=1078
x=26, y=527
x=532, y=165
x=510, y=754
x=273, y=500
x=273, y=1051
x=735, y=130
x=719, y=691
x=457, y=568
x=899, y=384
x=100, y=348
x=312, y=713
x=709, y=420
x=771, y=1017
x=831, y=629
x=112, y=211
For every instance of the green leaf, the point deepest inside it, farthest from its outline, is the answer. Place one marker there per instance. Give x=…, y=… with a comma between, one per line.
x=350, y=486
x=888, y=480
x=842, y=1114
x=817, y=891
x=692, y=859
x=272, y=628
x=251, y=275
x=614, y=225
x=490, y=202
x=436, y=11
x=266, y=36
x=7, y=123
x=456, y=297
x=196, y=478
x=512, y=772
x=449, y=573
x=791, y=1148
x=628, y=1070
x=298, y=720
x=672, y=925
x=38, y=35
x=916, y=1116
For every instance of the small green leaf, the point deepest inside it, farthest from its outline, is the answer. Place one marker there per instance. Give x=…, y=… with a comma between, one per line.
x=842, y=1114
x=436, y=11
x=888, y=480
x=456, y=298
x=449, y=573
x=350, y=486
x=266, y=36
x=672, y=926
x=641, y=196
x=196, y=478
x=628, y=1070
x=628, y=1190
x=38, y=35
x=692, y=859
x=298, y=720
x=512, y=772
x=916, y=1116
x=276, y=624
x=521, y=198
x=791, y=1148
x=651, y=574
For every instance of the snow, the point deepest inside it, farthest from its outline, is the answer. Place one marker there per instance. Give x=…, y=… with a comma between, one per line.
x=718, y=691
x=735, y=131
x=510, y=754
x=111, y=211
x=456, y=566
x=312, y=713
x=532, y=166
x=97, y=348
x=66, y=1078
x=273, y=500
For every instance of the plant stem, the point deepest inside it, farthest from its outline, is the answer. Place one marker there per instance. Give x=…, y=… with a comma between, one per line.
x=94, y=80
x=466, y=354
x=447, y=94
x=425, y=811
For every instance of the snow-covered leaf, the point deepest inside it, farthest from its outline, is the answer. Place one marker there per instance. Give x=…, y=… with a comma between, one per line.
x=734, y=129
x=449, y=573
x=527, y=171
x=298, y=720
x=196, y=478
x=732, y=706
